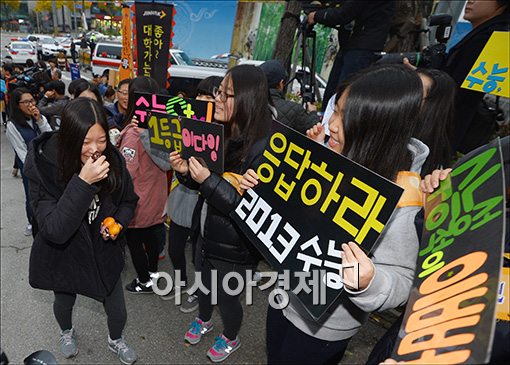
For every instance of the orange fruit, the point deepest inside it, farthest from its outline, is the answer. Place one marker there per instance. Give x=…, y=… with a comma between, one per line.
x=114, y=229
x=108, y=222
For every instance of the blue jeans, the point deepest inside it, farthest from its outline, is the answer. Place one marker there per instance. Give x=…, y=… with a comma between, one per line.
x=347, y=63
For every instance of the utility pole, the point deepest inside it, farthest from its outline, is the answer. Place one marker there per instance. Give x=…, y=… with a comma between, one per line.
x=63, y=20
x=54, y=12
x=38, y=23
x=74, y=16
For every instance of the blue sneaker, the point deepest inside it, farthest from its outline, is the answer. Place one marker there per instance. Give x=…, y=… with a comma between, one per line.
x=68, y=346
x=222, y=348
x=197, y=329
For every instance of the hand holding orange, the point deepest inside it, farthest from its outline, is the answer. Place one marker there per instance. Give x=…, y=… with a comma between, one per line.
x=110, y=228
x=114, y=230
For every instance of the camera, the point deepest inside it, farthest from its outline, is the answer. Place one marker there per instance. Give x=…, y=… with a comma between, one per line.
x=431, y=56
x=31, y=79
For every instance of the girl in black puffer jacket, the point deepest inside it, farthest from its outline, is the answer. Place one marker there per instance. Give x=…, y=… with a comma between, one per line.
x=242, y=104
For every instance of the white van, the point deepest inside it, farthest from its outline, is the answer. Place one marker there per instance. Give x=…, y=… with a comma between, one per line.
x=185, y=78
x=108, y=56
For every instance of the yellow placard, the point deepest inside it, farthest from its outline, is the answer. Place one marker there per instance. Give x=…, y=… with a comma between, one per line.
x=490, y=73
x=503, y=303
x=126, y=63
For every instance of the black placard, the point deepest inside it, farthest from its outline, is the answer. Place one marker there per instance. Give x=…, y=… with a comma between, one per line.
x=308, y=202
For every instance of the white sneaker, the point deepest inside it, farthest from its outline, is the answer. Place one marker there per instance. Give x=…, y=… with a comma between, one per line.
x=28, y=230
x=173, y=293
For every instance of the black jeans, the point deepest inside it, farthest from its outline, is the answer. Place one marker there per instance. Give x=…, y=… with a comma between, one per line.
x=177, y=237
x=114, y=305
x=287, y=344
x=144, y=246
x=231, y=309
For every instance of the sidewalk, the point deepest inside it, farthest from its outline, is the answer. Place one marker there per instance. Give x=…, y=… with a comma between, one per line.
x=155, y=328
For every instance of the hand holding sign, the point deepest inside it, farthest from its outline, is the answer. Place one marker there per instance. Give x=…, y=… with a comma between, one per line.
x=198, y=172
x=178, y=164
x=431, y=181
x=358, y=269
x=249, y=180
x=316, y=133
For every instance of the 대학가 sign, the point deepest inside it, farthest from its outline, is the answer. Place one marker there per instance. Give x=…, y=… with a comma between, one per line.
x=309, y=201
x=450, y=315
x=153, y=35
x=189, y=137
x=146, y=104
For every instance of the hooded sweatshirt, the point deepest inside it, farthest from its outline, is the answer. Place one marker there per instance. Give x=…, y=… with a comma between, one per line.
x=148, y=178
x=394, y=260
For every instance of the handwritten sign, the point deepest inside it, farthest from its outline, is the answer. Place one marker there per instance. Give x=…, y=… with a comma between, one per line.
x=146, y=104
x=204, y=141
x=126, y=62
x=449, y=318
x=308, y=202
x=490, y=72
x=154, y=23
x=189, y=137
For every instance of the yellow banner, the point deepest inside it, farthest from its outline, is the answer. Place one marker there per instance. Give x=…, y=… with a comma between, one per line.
x=126, y=64
x=503, y=303
x=490, y=73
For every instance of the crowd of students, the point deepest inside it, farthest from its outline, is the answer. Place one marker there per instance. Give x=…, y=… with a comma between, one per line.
x=96, y=163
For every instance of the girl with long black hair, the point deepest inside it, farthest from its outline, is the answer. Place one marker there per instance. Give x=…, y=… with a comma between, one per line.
x=77, y=180
x=25, y=123
x=375, y=116
x=242, y=104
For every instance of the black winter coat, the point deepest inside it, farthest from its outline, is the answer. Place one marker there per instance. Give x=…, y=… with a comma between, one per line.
x=68, y=255
x=371, y=18
x=292, y=114
x=459, y=62
x=223, y=240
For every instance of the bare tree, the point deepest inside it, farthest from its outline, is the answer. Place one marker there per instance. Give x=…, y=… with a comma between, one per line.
x=405, y=26
x=287, y=32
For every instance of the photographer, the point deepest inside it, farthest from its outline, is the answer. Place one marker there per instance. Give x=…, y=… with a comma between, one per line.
x=54, y=100
x=289, y=112
x=371, y=26
x=474, y=124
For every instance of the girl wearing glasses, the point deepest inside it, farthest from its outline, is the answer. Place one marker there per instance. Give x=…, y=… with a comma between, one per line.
x=242, y=104
x=25, y=123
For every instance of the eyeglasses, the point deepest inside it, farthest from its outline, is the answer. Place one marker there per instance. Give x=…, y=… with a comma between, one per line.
x=32, y=101
x=220, y=94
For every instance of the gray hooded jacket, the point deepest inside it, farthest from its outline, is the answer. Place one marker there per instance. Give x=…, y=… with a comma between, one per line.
x=394, y=259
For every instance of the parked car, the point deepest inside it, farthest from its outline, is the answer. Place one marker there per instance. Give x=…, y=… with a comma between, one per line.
x=108, y=56
x=50, y=48
x=92, y=33
x=65, y=43
x=20, y=52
